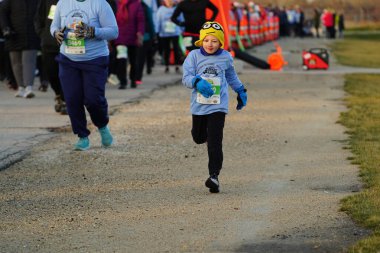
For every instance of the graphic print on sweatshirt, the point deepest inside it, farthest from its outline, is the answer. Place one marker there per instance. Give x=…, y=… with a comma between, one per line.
x=73, y=19
x=210, y=74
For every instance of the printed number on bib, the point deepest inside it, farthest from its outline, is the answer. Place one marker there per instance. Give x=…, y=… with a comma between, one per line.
x=74, y=45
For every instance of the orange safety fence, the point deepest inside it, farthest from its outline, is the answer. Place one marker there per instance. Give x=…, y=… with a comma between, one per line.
x=244, y=35
x=223, y=18
x=253, y=31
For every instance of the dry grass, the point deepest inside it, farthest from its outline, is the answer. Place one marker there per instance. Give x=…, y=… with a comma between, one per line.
x=363, y=122
x=363, y=26
x=359, y=50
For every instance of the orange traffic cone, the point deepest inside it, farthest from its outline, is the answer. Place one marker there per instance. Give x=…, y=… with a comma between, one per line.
x=276, y=60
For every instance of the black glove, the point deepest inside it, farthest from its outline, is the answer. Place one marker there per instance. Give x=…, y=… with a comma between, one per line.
x=84, y=31
x=8, y=33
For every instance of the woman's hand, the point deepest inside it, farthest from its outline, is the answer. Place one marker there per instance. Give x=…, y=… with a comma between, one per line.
x=59, y=35
x=84, y=31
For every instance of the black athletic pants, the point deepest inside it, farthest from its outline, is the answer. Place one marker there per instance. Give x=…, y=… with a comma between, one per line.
x=166, y=42
x=209, y=128
x=51, y=69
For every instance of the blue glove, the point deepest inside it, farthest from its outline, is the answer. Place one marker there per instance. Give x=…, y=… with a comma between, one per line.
x=241, y=98
x=203, y=87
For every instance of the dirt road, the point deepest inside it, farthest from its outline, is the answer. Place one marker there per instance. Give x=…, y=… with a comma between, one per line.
x=284, y=172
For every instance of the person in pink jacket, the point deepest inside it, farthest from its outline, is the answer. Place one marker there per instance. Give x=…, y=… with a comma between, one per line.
x=131, y=22
x=328, y=22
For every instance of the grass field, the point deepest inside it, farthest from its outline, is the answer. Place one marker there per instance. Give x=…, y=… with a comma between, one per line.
x=362, y=26
x=359, y=50
x=363, y=123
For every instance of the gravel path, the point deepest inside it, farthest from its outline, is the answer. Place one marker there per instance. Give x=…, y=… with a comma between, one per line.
x=284, y=174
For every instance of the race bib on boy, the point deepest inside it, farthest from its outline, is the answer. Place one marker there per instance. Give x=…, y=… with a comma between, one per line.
x=214, y=99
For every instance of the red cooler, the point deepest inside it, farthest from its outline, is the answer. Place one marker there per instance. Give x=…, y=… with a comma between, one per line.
x=315, y=58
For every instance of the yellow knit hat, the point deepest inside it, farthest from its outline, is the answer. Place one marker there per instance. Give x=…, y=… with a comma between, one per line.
x=211, y=28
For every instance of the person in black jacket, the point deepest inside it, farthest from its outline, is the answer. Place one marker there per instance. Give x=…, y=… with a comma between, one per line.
x=2, y=55
x=341, y=26
x=144, y=53
x=6, y=73
x=194, y=13
x=300, y=22
x=50, y=49
x=112, y=66
x=21, y=40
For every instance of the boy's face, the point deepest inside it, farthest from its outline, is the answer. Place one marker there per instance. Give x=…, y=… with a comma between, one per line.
x=168, y=2
x=211, y=44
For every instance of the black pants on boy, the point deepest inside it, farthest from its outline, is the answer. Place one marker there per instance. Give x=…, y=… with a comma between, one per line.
x=209, y=128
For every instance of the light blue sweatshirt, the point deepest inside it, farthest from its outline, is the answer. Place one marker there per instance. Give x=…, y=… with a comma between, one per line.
x=197, y=64
x=164, y=15
x=96, y=13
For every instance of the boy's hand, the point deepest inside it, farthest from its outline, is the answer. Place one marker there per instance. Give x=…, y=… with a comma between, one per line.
x=84, y=31
x=241, y=98
x=204, y=88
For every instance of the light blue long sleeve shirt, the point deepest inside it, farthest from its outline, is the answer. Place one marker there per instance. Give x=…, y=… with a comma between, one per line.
x=96, y=13
x=221, y=66
x=164, y=15
x=153, y=6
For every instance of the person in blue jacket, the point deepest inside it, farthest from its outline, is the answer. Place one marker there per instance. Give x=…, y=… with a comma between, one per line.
x=169, y=33
x=208, y=71
x=83, y=27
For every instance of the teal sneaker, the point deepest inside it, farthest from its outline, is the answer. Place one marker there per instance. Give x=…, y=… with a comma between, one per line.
x=106, y=136
x=82, y=144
